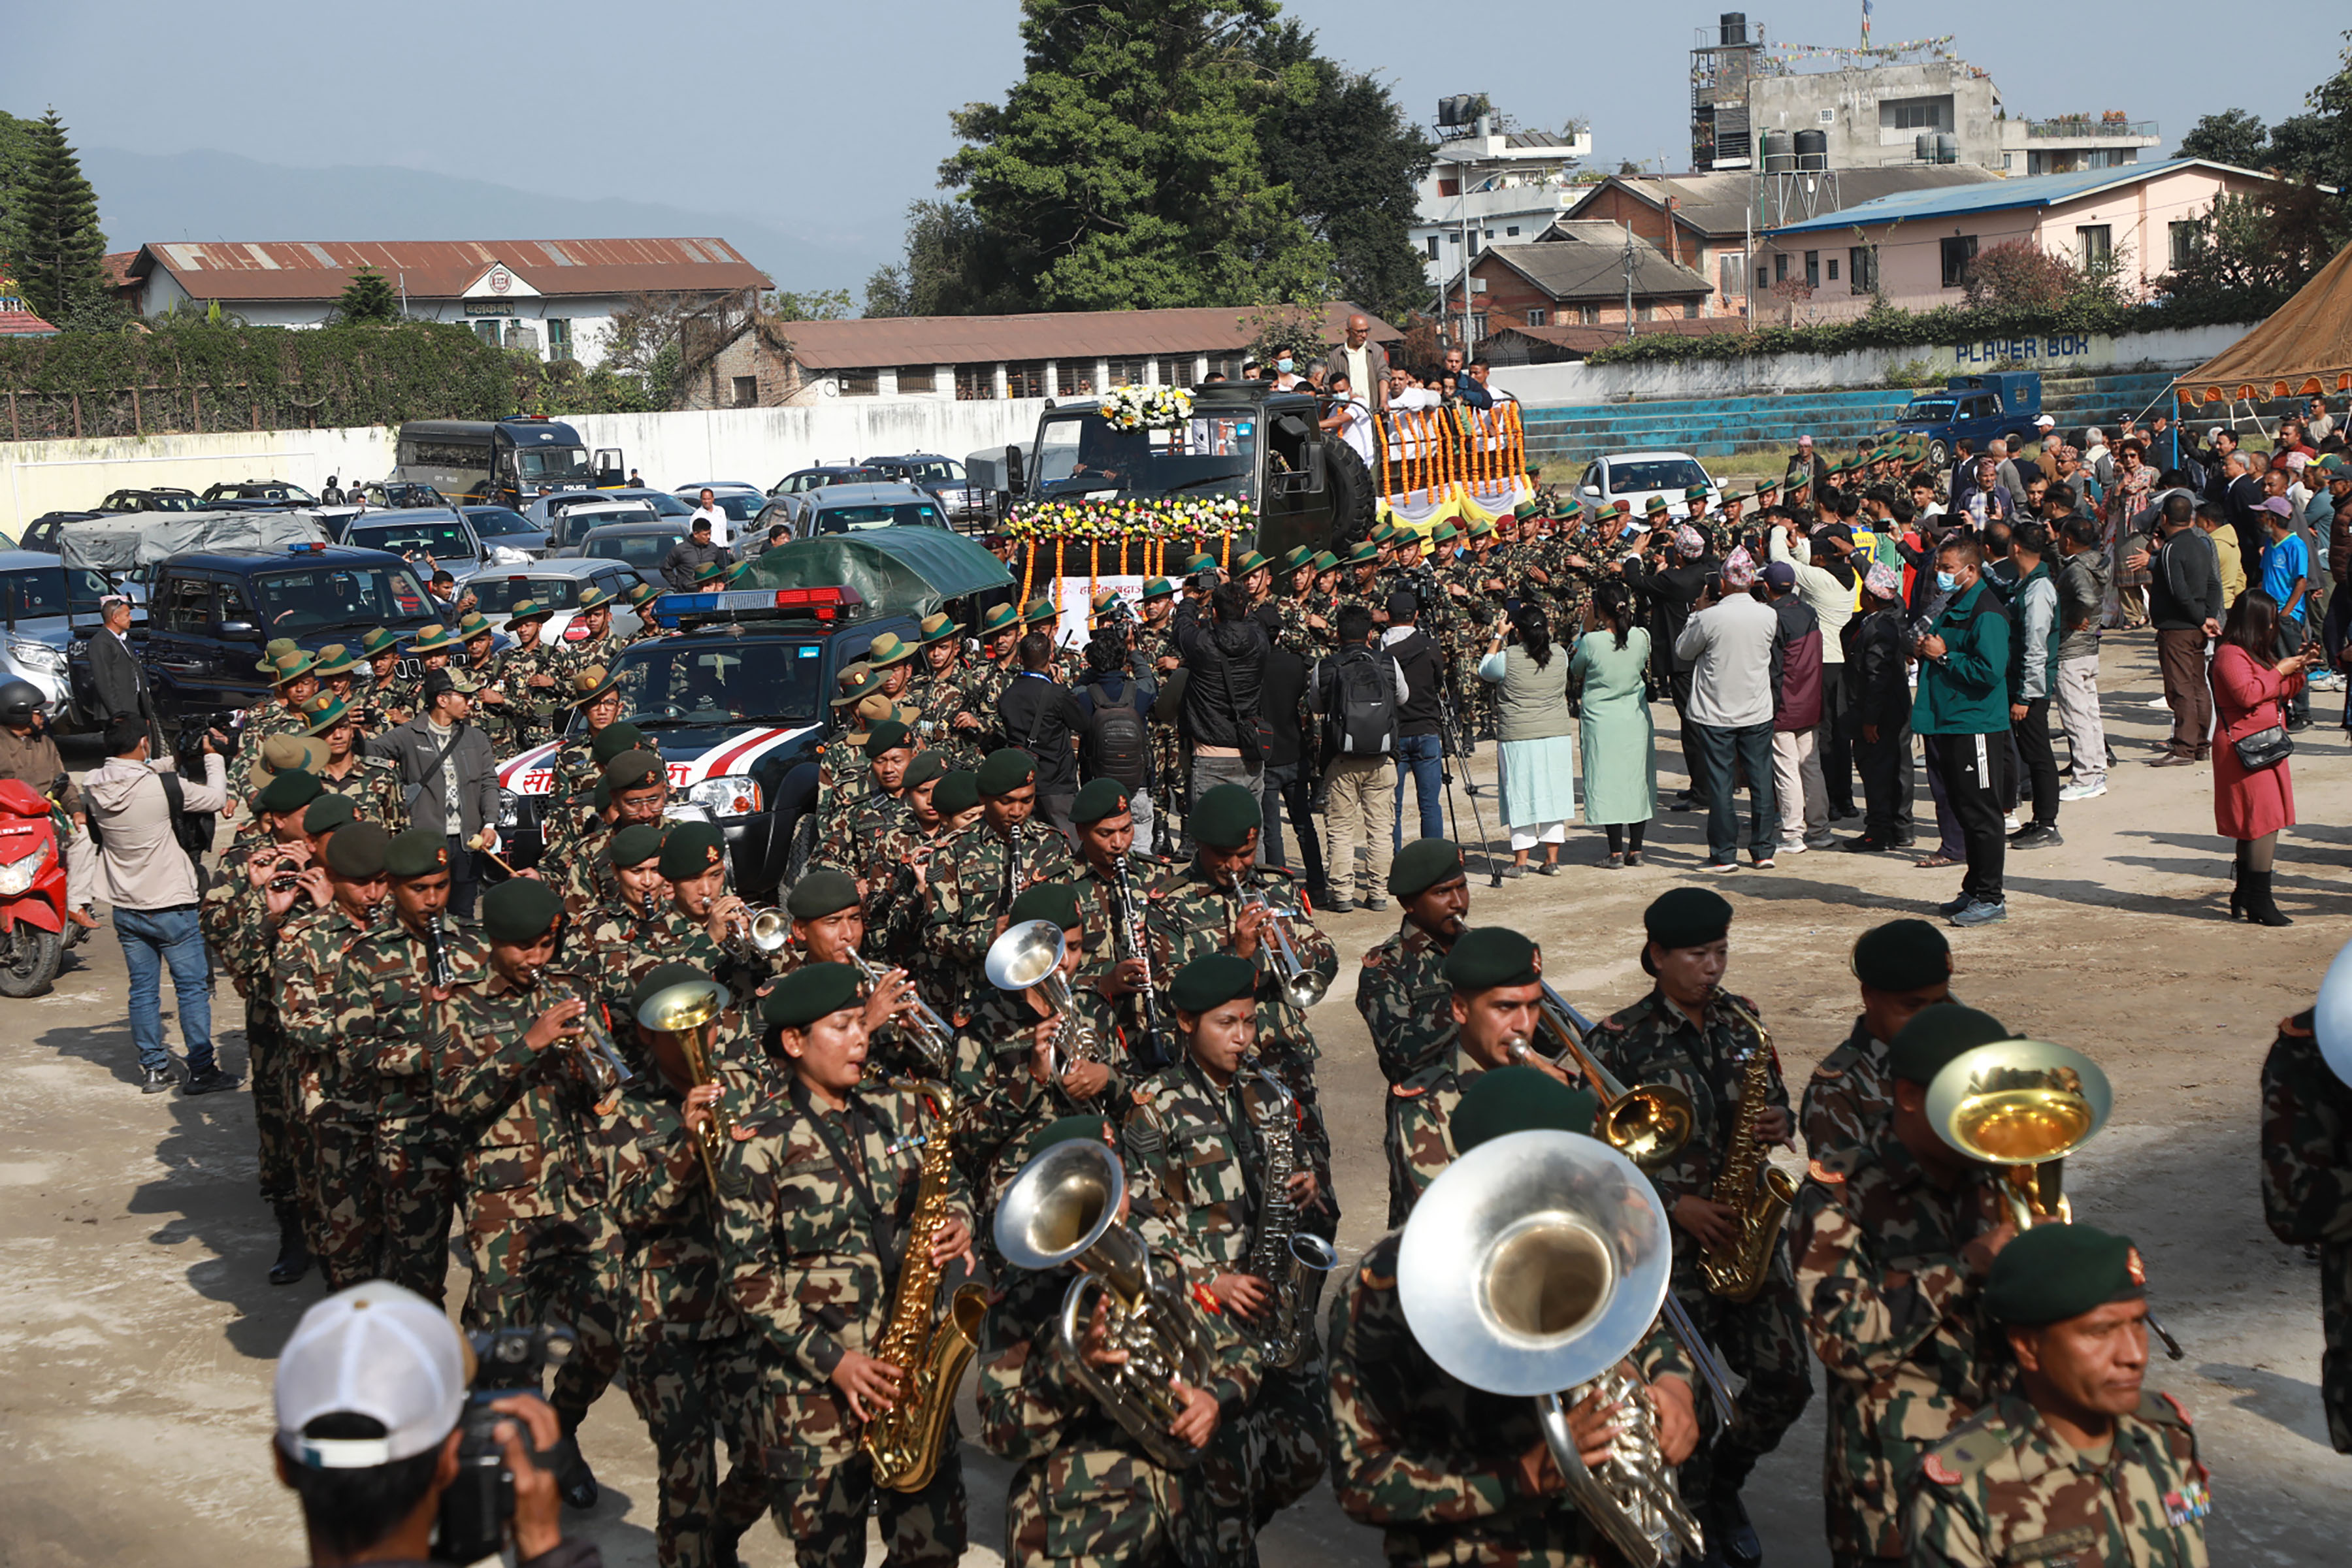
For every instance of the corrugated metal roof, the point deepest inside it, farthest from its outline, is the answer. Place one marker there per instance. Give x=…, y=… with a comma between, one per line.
x=2001, y=196
x=430, y=269
x=1716, y=205
x=1585, y=260
x=23, y=325
x=1056, y=336
x=1582, y=340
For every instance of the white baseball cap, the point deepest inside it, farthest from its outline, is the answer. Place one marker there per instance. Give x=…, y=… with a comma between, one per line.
x=2045, y=422
x=376, y=1350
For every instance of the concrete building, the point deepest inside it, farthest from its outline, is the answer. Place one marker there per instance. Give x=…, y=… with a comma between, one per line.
x=1917, y=246
x=1577, y=275
x=556, y=298
x=1487, y=187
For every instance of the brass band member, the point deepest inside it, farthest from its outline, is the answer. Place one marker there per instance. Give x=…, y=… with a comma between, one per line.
x=1904, y=966
x=1112, y=886
x=1403, y=993
x=2308, y=1192
x=979, y=872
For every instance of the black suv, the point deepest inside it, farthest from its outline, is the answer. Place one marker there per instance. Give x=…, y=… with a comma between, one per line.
x=256, y=495
x=164, y=498
x=209, y=613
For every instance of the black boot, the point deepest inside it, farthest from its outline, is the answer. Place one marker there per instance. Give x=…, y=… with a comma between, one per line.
x=1734, y=1537
x=2261, y=907
x=574, y=1478
x=2237, y=889
x=293, y=1256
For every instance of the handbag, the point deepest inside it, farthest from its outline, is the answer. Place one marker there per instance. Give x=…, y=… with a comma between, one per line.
x=2264, y=749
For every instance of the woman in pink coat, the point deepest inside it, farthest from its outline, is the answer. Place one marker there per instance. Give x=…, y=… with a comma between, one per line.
x=2251, y=806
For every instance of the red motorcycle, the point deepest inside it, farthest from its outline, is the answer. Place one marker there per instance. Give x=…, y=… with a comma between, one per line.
x=32, y=892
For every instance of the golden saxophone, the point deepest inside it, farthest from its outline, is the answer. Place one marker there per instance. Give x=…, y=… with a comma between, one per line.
x=906, y=1441
x=1749, y=1184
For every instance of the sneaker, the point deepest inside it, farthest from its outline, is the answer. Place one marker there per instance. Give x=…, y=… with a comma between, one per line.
x=1955, y=906
x=2162, y=705
x=1335, y=906
x=1792, y=846
x=1764, y=863
x=2091, y=791
x=1981, y=913
x=1720, y=866
x=1866, y=845
x=2010, y=823
x=212, y=1080
x=2036, y=836
x=158, y=1081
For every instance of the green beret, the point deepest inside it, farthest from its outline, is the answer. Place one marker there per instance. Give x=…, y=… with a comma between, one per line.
x=811, y=992
x=1520, y=1099
x=2055, y=1273
x=1093, y=1129
x=1056, y=901
x=612, y=740
x=1224, y=817
x=1923, y=1047
x=633, y=770
x=1097, y=799
x=519, y=911
x=924, y=767
x=1687, y=917
x=691, y=849
x=1158, y=588
x=357, y=852
x=821, y=892
x=289, y=791
x=329, y=811
x=662, y=978
x=1902, y=955
x=958, y=791
x=634, y=845
x=1489, y=956
x=1005, y=770
x=419, y=852
x=1421, y=865
x=1210, y=981
x=887, y=736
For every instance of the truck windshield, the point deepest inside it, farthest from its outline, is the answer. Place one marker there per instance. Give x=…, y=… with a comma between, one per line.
x=553, y=465
x=692, y=682
x=880, y=514
x=313, y=598
x=1929, y=411
x=1080, y=454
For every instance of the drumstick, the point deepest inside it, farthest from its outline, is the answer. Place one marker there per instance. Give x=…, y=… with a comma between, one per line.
x=479, y=845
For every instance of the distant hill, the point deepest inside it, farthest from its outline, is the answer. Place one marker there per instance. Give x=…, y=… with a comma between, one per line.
x=144, y=197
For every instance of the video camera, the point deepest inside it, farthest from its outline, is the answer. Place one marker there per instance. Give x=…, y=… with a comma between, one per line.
x=479, y=1502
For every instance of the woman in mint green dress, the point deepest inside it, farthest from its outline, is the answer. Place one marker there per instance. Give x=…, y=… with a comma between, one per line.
x=1618, y=743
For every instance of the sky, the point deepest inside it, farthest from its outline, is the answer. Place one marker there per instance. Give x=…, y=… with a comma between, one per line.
x=821, y=123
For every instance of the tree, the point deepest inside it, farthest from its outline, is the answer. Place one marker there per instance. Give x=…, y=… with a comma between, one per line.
x=1125, y=169
x=2018, y=275
x=2249, y=253
x=2232, y=136
x=368, y=298
x=950, y=269
x=825, y=305
x=55, y=250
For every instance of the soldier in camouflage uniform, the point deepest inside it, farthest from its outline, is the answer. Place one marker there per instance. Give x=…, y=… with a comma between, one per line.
x=973, y=724
x=291, y=683
x=1360, y=585
x=935, y=690
x=512, y=1089
x=596, y=645
x=2306, y=1166
x=832, y=1167
x=498, y=702
x=641, y=599
x=534, y=686
x=1154, y=641
x=1451, y=1474
x=1087, y=1493
x=337, y=673
x=1891, y=1238
x=637, y=789
x=1113, y=965
x=620, y=938
x=1904, y=966
x=1683, y=1035
x=892, y=866
x=1217, y=903
x=715, y=925
x=1069, y=666
x=1406, y=1002
x=384, y=698
x=2081, y=1464
x=333, y=1062
x=594, y=693
x=372, y=783
x=1199, y=1130
x=977, y=873
x=855, y=819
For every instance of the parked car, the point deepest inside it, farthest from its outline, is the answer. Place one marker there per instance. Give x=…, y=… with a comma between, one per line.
x=817, y=478
x=430, y=539
x=258, y=494
x=499, y=526
x=41, y=600
x=662, y=501
x=853, y=509
x=395, y=494
x=41, y=533
x=558, y=584
x=1976, y=408
x=1634, y=477
x=641, y=546
x=579, y=522
x=692, y=494
x=166, y=499
x=943, y=477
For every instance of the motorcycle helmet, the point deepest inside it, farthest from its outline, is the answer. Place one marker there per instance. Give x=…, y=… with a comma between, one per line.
x=19, y=700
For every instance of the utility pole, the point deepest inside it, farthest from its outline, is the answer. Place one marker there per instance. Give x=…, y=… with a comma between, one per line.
x=1628, y=280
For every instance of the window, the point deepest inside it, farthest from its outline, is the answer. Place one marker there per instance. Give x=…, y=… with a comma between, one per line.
x=1832, y=268
x=1729, y=267
x=187, y=605
x=1130, y=372
x=487, y=331
x=1763, y=279
x=1475, y=242
x=917, y=378
x=1812, y=269
x=1026, y=378
x=1781, y=268
x=1960, y=249
x=1538, y=316
x=1512, y=232
x=1690, y=309
x=558, y=338
x=862, y=382
x=1826, y=117
x=1478, y=324
x=747, y=391
x=1862, y=268
x=2094, y=244
x=1490, y=234
x=1454, y=238
x=2183, y=240
x=1645, y=311
x=1915, y=114
x=975, y=382
x=1432, y=248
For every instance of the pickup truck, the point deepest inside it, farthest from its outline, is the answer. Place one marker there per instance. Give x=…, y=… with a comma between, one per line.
x=1974, y=408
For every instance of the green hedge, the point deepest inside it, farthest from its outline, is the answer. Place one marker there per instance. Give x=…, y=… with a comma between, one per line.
x=1885, y=327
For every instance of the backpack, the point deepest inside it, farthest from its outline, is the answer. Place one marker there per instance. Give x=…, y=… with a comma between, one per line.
x=1115, y=745
x=1363, y=712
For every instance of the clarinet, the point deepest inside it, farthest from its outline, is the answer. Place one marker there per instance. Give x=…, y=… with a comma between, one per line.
x=1131, y=926
x=437, y=956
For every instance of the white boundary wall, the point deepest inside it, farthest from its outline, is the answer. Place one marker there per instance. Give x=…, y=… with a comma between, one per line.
x=758, y=445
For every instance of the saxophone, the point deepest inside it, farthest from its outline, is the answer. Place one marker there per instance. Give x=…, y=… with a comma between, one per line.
x=1292, y=1265
x=907, y=1441
x=1747, y=1184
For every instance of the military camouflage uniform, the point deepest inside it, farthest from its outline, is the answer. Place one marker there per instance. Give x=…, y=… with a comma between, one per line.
x=1434, y=1463
x=813, y=1250
x=234, y=921
x=381, y=704
x=970, y=875
x=271, y=718
x=1002, y=1101
x=1419, y=1138
x=619, y=946
x=844, y=839
x=2005, y=1488
x=376, y=793
x=565, y=659
x=1104, y=943
x=533, y=712
x=842, y=783
x=2306, y=1158
x=897, y=902
x=1763, y=1339
x=501, y=673
x=1890, y=1272
x=1850, y=1099
x=335, y=1072
x=1407, y=1003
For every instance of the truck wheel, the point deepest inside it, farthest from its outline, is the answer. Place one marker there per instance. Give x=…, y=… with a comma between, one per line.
x=804, y=845
x=1938, y=452
x=30, y=958
x=1355, y=505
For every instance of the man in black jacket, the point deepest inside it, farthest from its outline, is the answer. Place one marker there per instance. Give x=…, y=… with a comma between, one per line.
x=1292, y=772
x=1669, y=575
x=691, y=555
x=2184, y=605
x=1040, y=715
x=1421, y=742
x=1878, y=658
x=1225, y=669
x=115, y=672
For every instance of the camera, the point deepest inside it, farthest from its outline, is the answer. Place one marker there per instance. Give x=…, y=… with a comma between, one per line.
x=479, y=1502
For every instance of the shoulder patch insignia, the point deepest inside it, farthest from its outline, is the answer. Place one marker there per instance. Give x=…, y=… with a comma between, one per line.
x=1142, y=1096
x=1942, y=1474
x=2176, y=1408
x=742, y=1134
x=1372, y=958
x=2296, y=1027
x=1408, y=1090
x=1821, y=1172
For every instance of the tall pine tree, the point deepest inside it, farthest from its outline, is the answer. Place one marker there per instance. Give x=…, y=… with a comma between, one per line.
x=368, y=298
x=55, y=250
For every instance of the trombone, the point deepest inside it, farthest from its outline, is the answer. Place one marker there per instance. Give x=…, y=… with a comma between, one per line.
x=685, y=1015
x=1301, y=986
x=1649, y=1124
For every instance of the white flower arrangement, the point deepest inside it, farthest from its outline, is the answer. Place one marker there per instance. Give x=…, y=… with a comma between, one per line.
x=1146, y=407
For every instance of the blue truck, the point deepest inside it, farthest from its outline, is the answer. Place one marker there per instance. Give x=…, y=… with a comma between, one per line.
x=1976, y=409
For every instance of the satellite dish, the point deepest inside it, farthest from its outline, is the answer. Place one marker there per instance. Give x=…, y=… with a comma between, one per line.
x=831, y=388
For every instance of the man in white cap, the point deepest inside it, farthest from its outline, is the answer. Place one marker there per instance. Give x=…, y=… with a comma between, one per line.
x=2046, y=432
x=369, y=1393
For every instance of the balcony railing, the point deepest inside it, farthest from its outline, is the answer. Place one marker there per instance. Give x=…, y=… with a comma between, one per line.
x=2072, y=129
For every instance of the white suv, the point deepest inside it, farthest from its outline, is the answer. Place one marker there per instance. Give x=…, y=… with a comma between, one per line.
x=1634, y=477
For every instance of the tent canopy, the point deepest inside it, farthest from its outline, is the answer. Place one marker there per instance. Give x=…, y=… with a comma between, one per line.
x=2305, y=349
x=909, y=568
x=119, y=544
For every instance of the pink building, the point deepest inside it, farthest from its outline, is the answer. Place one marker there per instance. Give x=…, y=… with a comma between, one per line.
x=1915, y=246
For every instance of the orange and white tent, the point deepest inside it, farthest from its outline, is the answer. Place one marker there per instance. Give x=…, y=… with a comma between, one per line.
x=2303, y=349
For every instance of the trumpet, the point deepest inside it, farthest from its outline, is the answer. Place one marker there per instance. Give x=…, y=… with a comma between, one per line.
x=685, y=1015
x=931, y=1032
x=759, y=933
x=1648, y=1124
x=601, y=1062
x=1301, y=986
x=1030, y=954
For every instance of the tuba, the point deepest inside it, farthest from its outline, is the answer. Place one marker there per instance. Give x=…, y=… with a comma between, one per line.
x=2025, y=1105
x=1648, y=1124
x=2331, y=1017
x=1749, y=1184
x=687, y=1014
x=1532, y=1265
x=1063, y=1207
x=1301, y=986
x=1292, y=1262
x=1030, y=954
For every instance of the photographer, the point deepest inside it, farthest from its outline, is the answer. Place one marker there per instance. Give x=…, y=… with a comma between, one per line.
x=374, y=1434
x=136, y=814
x=29, y=755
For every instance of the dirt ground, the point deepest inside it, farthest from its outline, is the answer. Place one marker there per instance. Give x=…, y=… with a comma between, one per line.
x=138, y=1326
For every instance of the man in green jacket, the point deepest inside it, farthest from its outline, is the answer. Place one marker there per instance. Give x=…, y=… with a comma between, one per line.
x=1963, y=707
